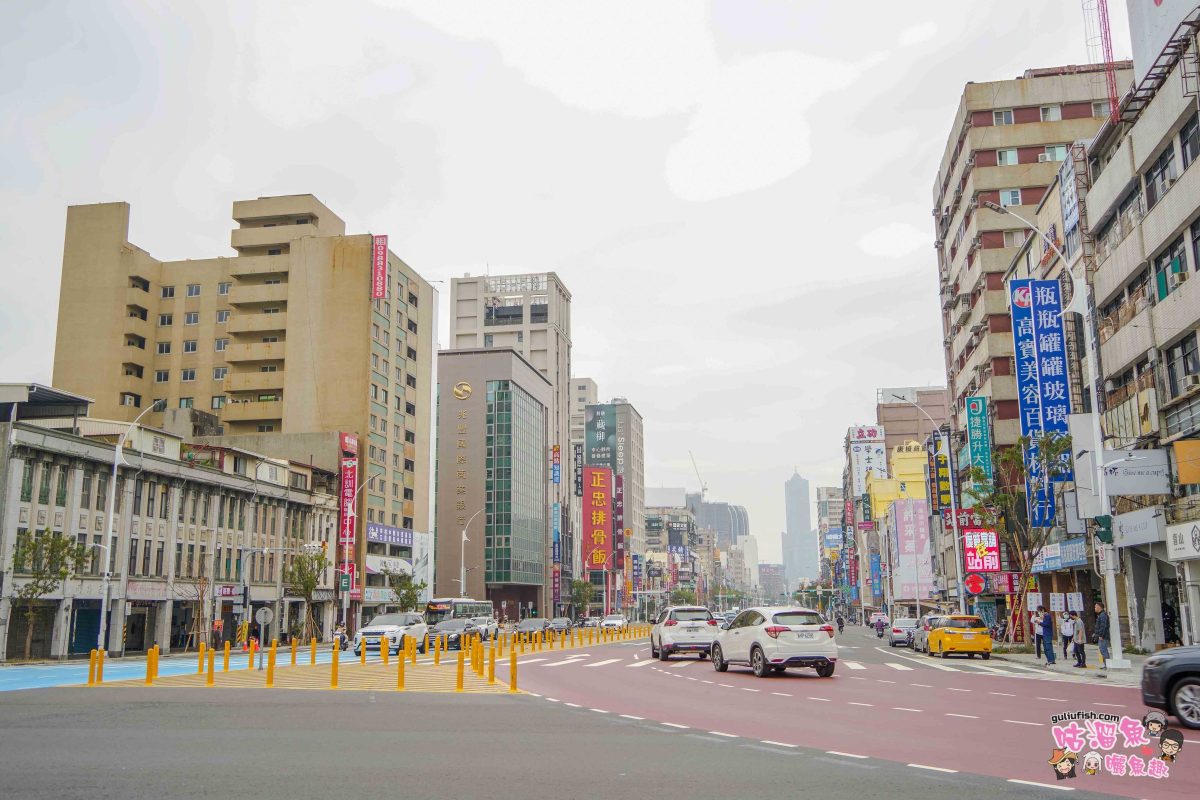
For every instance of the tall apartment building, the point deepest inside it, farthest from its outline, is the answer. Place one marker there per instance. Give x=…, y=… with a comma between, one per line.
x=614, y=438
x=531, y=314
x=829, y=507
x=799, y=540
x=1005, y=145
x=584, y=393
x=727, y=521
x=903, y=423
x=282, y=339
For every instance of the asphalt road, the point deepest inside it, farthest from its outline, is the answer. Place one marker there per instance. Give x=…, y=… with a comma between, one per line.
x=183, y=743
x=888, y=705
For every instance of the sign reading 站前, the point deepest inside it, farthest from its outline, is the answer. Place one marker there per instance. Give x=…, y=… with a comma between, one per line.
x=1043, y=395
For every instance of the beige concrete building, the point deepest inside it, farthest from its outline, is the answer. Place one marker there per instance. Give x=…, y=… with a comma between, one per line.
x=530, y=313
x=901, y=422
x=281, y=338
x=1005, y=146
x=493, y=482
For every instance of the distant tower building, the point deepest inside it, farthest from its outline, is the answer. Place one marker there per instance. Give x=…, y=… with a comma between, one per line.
x=799, y=547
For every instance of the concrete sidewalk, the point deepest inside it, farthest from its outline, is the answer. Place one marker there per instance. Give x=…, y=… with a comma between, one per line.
x=1063, y=666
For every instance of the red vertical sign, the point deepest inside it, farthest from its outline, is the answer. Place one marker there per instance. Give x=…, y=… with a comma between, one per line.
x=346, y=515
x=597, y=519
x=379, y=266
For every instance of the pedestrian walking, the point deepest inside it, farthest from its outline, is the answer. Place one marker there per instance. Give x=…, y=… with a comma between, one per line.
x=1047, y=634
x=1067, y=632
x=1102, y=641
x=1079, y=639
x=1035, y=628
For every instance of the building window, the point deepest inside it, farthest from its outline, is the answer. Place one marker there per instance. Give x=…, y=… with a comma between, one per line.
x=185, y=402
x=1168, y=266
x=1101, y=108
x=167, y=292
x=1011, y=239
x=488, y=340
x=270, y=339
x=223, y=287
x=222, y=344
x=1051, y=113
x=1189, y=140
x=269, y=368
x=191, y=318
x=1056, y=152
x=218, y=402
x=164, y=348
x=164, y=320
x=219, y=373
x=271, y=310
x=60, y=494
x=163, y=375
x=187, y=375
x=1182, y=360
x=193, y=290
x=266, y=428
x=130, y=399
x=1160, y=176
x=1002, y=117
x=222, y=316
x=189, y=346
x=1010, y=197
x=272, y=281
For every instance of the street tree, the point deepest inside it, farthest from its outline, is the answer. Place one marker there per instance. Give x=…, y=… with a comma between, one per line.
x=192, y=594
x=683, y=597
x=581, y=595
x=303, y=576
x=1002, y=503
x=43, y=562
x=407, y=591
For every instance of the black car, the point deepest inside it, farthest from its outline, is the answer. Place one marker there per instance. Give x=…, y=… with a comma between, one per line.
x=1171, y=681
x=452, y=631
x=531, y=625
x=559, y=624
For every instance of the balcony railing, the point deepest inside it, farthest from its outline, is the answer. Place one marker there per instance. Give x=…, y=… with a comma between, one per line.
x=1135, y=304
x=1124, y=224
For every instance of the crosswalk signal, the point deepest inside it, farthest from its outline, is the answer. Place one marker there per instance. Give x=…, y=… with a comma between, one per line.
x=1104, y=531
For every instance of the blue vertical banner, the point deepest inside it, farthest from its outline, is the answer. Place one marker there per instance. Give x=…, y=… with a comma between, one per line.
x=1043, y=394
x=876, y=575
x=556, y=527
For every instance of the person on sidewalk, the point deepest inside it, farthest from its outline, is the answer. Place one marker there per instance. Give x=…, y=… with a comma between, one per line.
x=1067, y=631
x=1079, y=639
x=1035, y=628
x=1047, y=634
x=1102, y=641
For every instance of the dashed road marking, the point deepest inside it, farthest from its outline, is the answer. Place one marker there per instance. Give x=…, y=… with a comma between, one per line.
x=1109, y=705
x=639, y=663
x=1002, y=694
x=781, y=694
x=598, y=710
x=574, y=705
x=535, y=694
x=901, y=667
x=552, y=700
x=1042, y=785
x=902, y=708
x=869, y=705
x=853, y=665
x=726, y=735
x=820, y=699
x=744, y=689
x=847, y=755
x=1022, y=722
x=964, y=716
x=935, y=769
x=631, y=716
x=602, y=663
x=726, y=685
x=562, y=663
x=777, y=744
x=952, y=689
x=922, y=685
x=1053, y=699
x=881, y=680
x=708, y=682
x=673, y=725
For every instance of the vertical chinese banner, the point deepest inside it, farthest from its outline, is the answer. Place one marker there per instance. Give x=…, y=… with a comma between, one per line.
x=379, y=266
x=597, y=522
x=979, y=437
x=347, y=514
x=618, y=517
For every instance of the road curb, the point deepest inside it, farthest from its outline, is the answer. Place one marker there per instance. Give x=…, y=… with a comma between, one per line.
x=1070, y=672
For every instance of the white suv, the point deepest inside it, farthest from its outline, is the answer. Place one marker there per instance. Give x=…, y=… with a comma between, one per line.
x=487, y=626
x=682, y=629
x=771, y=639
x=395, y=627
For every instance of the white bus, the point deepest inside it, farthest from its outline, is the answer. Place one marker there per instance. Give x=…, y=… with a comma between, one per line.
x=440, y=609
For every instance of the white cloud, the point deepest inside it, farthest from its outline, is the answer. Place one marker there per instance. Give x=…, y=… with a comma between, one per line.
x=918, y=34
x=894, y=240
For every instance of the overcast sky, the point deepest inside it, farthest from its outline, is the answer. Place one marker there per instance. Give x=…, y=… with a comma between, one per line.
x=736, y=193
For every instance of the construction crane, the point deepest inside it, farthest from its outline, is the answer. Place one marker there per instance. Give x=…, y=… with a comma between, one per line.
x=703, y=485
x=1098, y=35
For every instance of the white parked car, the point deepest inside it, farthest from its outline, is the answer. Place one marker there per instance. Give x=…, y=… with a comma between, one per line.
x=616, y=621
x=773, y=638
x=396, y=627
x=683, y=629
x=488, y=626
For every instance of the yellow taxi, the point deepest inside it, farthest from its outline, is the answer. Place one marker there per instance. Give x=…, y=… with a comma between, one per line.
x=959, y=633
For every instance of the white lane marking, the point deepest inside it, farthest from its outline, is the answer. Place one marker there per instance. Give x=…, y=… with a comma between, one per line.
x=952, y=689
x=935, y=769
x=602, y=663
x=964, y=716
x=552, y=700
x=881, y=680
x=922, y=685
x=1109, y=705
x=853, y=665
x=726, y=685
x=993, y=670
x=574, y=705
x=1020, y=722
x=530, y=660
x=1002, y=694
x=598, y=710
x=682, y=664
x=1042, y=785
x=902, y=708
x=847, y=755
x=690, y=678
x=1053, y=699
x=894, y=665
x=673, y=725
x=726, y=735
x=562, y=663
x=639, y=663
x=821, y=699
x=869, y=705
x=777, y=744
x=708, y=682
x=744, y=689
x=1034, y=670
x=535, y=694
x=781, y=694
x=631, y=716
x=929, y=662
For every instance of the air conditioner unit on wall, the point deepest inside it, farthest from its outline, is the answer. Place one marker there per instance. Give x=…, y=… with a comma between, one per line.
x=1191, y=381
x=1043, y=158
x=1176, y=278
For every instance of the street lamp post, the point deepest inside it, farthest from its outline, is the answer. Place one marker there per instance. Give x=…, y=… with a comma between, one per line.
x=943, y=438
x=108, y=523
x=1080, y=293
x=462, y=555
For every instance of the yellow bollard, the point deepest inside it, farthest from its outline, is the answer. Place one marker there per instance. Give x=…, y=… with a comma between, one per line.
x=312, y=652
x=458, y=680
x=294, y=642
x=271, y=665
x=333, y=667
x=250, y=659
x=512, y=671
x=550, y=636
x=400, y=673
x=100, y=666
x=199, y=659
x=437, y=651
x=225, y=666
x=212, y=664
x=92, y=668
x=384, y=646
x=412, y=649
x=150, y=666
x=362, y=654
x=157, y=653
x=426, y=643
x=492, y=665
x=479, y=662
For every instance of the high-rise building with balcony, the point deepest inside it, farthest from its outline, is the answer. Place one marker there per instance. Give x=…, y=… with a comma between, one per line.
x=1005, y=145
x=280, y=341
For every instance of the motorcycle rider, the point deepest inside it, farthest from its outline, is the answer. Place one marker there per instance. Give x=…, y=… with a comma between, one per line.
x=841, y=623
x=879, y=626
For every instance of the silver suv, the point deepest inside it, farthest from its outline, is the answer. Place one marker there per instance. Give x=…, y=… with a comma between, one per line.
x=682, y=629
